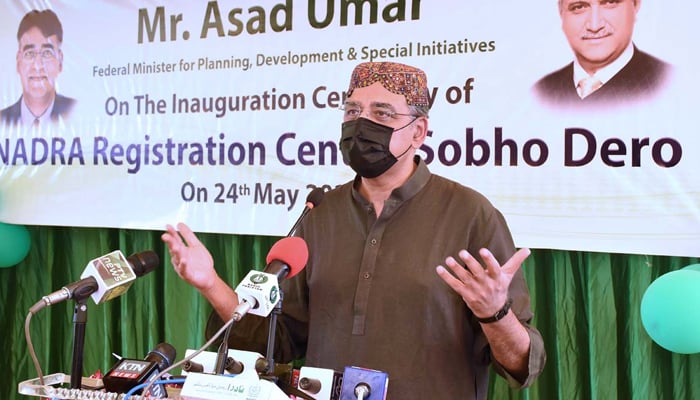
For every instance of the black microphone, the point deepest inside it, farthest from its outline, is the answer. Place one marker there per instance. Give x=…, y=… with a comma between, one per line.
x=312, y=200
x=233, y=366
x=128, y=373
x=192, y=366
x=104, y=278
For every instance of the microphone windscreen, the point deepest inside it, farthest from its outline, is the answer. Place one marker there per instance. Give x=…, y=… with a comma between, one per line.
x=163, y=354
x=143, y=262
x=293, y=251
x=315, y=197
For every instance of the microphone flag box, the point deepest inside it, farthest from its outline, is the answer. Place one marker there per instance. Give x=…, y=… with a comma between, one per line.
x=320, y=383
x=113, y=273
x=354, y=377
x=128, y=373
x=262, y=286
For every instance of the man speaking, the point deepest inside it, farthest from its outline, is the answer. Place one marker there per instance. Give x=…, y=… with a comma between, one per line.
x=374, y=293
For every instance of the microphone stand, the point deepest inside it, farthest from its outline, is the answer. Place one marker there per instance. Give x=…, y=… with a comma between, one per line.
x=271, y=371
x=79, y=321
x=271, y=335
x=222, y=353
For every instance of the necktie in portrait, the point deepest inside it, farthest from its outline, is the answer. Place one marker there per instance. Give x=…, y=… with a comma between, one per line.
x=588, y=85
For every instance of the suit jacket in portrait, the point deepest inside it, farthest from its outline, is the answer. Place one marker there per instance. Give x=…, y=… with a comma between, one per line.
x=640, y=80
x=62, y=107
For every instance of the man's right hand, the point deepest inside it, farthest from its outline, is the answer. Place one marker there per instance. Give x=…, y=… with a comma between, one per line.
x=191, y=260
x=195, y=265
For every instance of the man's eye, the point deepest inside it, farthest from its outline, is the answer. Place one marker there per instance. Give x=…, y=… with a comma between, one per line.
x=577, y=7
x=609, y=3
x=382, y=114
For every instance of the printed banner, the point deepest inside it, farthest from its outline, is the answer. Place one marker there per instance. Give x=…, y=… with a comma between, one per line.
x=226, y=114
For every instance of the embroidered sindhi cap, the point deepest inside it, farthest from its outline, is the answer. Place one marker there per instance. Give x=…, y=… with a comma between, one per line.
x=402, y=79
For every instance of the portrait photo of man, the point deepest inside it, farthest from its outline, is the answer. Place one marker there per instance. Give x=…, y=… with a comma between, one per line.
x=608, y=69
x=39, y=61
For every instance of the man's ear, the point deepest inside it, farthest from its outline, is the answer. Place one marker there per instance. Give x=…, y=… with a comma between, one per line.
x=420, y=131
x=60, y=60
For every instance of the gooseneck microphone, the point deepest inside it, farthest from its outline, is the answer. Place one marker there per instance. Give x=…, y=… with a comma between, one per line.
x=258, y=292
x=312, y=200
x=104, y=278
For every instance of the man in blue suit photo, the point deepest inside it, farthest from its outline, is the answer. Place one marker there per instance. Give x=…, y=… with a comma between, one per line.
x=39, y=61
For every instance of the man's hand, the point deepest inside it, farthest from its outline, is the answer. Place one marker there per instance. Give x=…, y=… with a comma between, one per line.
x=483, y=289
x=191, y=260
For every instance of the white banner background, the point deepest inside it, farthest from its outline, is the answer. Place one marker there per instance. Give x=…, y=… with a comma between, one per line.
x=644, y=209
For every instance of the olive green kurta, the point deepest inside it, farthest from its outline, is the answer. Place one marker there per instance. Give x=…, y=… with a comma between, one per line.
x=370, y=296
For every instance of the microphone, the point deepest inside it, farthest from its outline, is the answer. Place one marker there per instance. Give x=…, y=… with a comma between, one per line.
x=233, y=366
x=312, y=200
x=104, y=278
x=258, y=292
x=192, y=366
x=362, y=383
x=127, y=373
x=320, y=383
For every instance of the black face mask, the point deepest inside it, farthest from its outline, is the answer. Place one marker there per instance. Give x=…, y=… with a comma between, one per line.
x=365, y=146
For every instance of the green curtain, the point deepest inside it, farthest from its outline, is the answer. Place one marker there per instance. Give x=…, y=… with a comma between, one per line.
x=586, y=306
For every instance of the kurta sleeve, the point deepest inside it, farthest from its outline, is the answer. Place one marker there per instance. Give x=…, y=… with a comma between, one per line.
x=500, y=243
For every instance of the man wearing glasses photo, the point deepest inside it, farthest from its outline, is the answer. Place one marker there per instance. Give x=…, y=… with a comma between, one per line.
x=608, y=68
x=39, y=61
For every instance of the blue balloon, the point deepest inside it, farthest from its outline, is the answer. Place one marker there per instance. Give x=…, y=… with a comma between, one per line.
x=14, y=244
x=670, y=312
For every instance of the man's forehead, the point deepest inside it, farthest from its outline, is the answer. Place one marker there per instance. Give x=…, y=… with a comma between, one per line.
x=33, y=37
x=376, y=95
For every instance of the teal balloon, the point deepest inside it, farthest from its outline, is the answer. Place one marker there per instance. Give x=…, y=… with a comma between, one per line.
x=692, y=267
x=14, y=244
x=670, y=310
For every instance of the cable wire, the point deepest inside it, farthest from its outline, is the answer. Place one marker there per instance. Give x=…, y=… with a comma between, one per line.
x=30, y=345
x=190, y=357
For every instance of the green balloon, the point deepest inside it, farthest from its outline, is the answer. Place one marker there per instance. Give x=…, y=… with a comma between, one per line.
x=14, y=244
x=692, y=267
x=670, y=312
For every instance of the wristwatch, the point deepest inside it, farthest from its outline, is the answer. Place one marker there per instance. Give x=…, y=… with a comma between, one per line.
x=498, y=315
